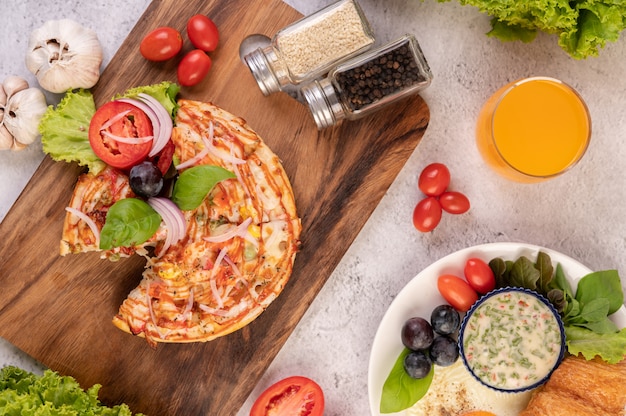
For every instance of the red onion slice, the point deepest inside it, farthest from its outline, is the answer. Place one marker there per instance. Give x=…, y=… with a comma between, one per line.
x=240, y=230
x=229, y=157
x=127, y=140
x=201, y=154
x=156, y=127
x=90, y=223
x=114, y=120
x=166, y=124
x=213, y=283
x=173, y=218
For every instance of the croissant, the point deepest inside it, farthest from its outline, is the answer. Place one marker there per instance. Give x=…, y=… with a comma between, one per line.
x=581, y=387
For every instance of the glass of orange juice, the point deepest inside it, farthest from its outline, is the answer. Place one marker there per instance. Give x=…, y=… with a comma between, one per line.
x=533, y=129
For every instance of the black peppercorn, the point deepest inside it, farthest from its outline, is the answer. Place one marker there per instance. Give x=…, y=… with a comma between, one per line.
x=363, y=84
x=380, y=77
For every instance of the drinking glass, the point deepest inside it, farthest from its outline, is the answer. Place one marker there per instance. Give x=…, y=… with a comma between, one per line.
x=533, y=129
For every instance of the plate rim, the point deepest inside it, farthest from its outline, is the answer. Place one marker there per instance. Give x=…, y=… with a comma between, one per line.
x=441, y=264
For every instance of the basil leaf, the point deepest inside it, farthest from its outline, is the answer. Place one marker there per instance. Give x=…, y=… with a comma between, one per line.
x=561, y=282
x=572, y=311
x=400, y=390
x=524, y=274
x=129, y=222
x=558, y=299
x=602, y=284
x=595, y=310
x=195, y=183
x=498, y=267
x=603, y=326
x=546, y=271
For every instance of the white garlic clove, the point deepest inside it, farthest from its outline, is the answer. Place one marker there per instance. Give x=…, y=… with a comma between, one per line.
x=13, y=84
x=3, y=97
x=23, y=113
x=64, y=55
x=17, y=146
x=6, y=138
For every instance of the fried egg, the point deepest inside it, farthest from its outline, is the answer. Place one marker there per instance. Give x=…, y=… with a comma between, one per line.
x=454, y=391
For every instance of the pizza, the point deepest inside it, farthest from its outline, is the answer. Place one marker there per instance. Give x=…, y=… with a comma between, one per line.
x=238, y=248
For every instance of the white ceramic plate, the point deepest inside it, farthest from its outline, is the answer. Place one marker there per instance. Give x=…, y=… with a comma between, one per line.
x=420, y=296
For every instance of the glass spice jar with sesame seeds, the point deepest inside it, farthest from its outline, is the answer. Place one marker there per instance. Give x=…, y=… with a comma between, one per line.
x=363, y=84
x=309, y=47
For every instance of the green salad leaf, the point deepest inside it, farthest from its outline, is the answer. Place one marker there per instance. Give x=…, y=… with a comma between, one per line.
x=610, y=346
x=582, y=27
x=129, y=222
x=64, y=130
x=603, y=284
x=195, y=183
x=400, y=390
x=165, y=92
x=24, y=393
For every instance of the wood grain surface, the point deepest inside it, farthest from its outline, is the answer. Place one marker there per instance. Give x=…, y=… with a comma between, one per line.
x=59, y=309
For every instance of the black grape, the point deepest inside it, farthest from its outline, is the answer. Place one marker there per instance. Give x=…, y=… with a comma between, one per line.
x=445, y=320
x=417, y=334
x=417, y=364
x=444, y=351
x=146, y=179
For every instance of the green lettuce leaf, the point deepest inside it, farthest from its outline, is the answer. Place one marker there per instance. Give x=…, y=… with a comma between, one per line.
x=582, y=27
x=610, y=347
x=165, y=92
x=65, y=130
x=507, y=32
x=24, y=393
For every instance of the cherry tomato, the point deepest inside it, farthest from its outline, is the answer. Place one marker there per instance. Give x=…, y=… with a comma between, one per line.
x=427, y=214
x=454, y=202
x=479, y=275
x=292, y=396
x=457, y=292
x=123, y=120
x=164, y=159
x=434, y=179
x=193, y=67
x=161, y=44
x=202, y=33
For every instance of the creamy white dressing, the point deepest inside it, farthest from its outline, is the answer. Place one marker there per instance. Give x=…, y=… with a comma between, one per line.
x=512, y=340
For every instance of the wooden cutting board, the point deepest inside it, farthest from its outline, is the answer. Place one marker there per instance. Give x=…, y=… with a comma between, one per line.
x=59, y=309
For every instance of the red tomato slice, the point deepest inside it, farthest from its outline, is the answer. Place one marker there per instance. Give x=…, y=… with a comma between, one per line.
x=125, y=121
x=457, y=292
x=193, y=67
x=292, y=396
x=203, y=33
x=479, y=275
x=161, y=44
x=164, y=159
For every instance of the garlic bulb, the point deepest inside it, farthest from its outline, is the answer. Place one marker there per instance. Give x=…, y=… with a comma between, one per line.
x=64, y=55
x=21, y=109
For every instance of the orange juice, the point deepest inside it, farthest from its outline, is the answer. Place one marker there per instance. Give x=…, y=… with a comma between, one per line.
x=533, y=129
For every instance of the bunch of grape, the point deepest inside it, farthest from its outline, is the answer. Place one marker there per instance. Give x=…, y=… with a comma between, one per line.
x=431, y=342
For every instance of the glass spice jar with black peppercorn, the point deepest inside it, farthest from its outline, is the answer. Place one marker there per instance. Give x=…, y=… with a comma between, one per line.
x=308, y=48
x=366, y=83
